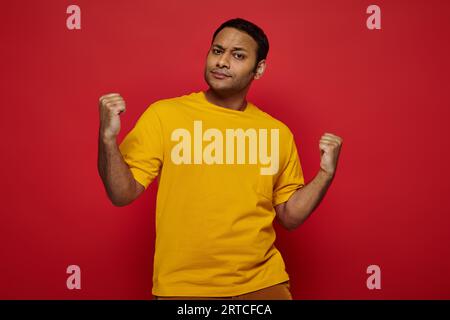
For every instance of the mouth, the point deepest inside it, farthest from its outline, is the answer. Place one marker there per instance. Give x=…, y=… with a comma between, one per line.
x=219, y=75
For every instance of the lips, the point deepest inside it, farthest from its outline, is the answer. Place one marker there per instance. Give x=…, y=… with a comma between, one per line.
x=220, y=75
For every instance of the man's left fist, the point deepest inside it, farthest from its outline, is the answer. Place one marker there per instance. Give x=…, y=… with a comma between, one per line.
x=330, y=147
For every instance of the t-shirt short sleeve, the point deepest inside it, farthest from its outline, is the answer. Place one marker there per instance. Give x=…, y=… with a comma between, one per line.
x=291, y=177
x=142, y=147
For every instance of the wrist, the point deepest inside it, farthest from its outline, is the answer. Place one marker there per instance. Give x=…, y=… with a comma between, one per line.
x=325, y=175
x=106, y=140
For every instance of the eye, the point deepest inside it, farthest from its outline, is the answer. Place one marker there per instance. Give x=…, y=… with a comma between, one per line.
x=241, y=56
x=214, y=50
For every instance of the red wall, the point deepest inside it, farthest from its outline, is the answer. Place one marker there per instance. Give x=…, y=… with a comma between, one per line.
x=385, y=92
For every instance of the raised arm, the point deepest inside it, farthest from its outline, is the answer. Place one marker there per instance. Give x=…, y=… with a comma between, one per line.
x=120, y=185
x=305, y=200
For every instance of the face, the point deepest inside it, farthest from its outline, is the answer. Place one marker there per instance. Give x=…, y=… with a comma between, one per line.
x=233, y=54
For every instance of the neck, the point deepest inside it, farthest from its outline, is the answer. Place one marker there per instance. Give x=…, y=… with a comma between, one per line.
x=235, y=101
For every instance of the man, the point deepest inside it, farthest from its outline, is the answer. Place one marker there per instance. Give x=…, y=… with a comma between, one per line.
x=225, y=170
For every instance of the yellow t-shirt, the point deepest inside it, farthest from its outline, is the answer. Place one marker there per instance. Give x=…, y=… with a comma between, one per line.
x=220, y=173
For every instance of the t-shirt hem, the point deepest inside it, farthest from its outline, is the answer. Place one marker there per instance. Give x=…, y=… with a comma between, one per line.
x=245, y=290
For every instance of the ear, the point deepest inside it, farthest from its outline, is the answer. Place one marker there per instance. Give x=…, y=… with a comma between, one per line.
x=260, y=69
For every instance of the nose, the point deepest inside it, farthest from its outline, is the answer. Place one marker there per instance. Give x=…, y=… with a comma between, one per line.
x=223, y=61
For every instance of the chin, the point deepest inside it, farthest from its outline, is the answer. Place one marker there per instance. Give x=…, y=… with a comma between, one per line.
x=219, y=88
x=215, y=86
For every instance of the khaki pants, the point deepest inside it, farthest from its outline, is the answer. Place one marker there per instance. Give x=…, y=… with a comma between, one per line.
x=277, y=292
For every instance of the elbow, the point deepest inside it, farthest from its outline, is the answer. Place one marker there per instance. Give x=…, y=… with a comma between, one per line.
x=293, y=221
x=120, y=197
x=291, y=224
x=117, y=202
x=125, y=198
x=291, y=227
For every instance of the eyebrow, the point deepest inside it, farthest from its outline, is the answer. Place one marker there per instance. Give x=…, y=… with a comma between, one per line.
x=234, y=48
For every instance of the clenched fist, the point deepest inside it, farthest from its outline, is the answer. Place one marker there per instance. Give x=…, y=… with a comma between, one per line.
x=330, y=147
x=110, y=107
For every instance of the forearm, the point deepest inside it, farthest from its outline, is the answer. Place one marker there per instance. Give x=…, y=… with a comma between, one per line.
x=115, y=173
x=305, y=200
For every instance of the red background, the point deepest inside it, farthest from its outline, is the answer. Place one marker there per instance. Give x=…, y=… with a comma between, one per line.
x=385, y=92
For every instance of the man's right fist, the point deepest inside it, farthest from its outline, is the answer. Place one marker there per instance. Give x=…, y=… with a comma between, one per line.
x=110, y=107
